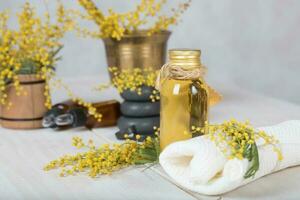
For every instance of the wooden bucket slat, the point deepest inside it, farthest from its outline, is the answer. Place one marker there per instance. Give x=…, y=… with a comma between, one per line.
x=26, y=111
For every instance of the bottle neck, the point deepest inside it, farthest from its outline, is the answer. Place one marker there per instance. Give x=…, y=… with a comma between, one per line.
x=64, y=120
x=172, y=71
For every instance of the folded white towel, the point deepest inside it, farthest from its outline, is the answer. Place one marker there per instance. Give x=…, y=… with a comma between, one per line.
x=198, y=164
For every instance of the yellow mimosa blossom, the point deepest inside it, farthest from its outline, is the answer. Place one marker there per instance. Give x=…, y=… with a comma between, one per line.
x=239, y=138
x=116, y=25
x=32, y=49
x=133, y=80
x=106, y=158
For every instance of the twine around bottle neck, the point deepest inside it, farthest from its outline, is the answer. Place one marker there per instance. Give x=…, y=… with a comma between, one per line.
x=179, y=72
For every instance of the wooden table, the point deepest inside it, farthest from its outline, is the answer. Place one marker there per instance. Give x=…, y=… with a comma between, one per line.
x=24, y=153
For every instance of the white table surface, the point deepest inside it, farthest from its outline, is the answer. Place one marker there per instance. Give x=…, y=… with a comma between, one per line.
x=24, y=153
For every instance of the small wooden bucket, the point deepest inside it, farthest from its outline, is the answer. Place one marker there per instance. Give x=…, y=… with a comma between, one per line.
x=27, y=110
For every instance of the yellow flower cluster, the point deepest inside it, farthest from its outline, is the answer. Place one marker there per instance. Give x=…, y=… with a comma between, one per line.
x=116, y=25
x=9, y=65
x=92, y=10
x=32, y=48
x=106, y=158
x=237, y=135
x=238, y=140
x=134, y=79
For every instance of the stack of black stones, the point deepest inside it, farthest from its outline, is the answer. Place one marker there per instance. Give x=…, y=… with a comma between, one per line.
x=139, y=114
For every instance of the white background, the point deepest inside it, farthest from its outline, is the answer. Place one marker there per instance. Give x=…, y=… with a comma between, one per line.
x=254, y=43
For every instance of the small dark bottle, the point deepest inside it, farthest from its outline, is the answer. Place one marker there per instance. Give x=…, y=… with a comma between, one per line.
x=55, y=111
x=69, y=114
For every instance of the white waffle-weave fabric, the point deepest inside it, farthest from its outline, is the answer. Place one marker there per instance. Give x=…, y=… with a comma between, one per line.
x=198, y=164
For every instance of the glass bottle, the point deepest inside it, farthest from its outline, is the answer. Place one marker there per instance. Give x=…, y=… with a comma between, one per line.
x=55, y=111
x=184, y=97
x=70, y=114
